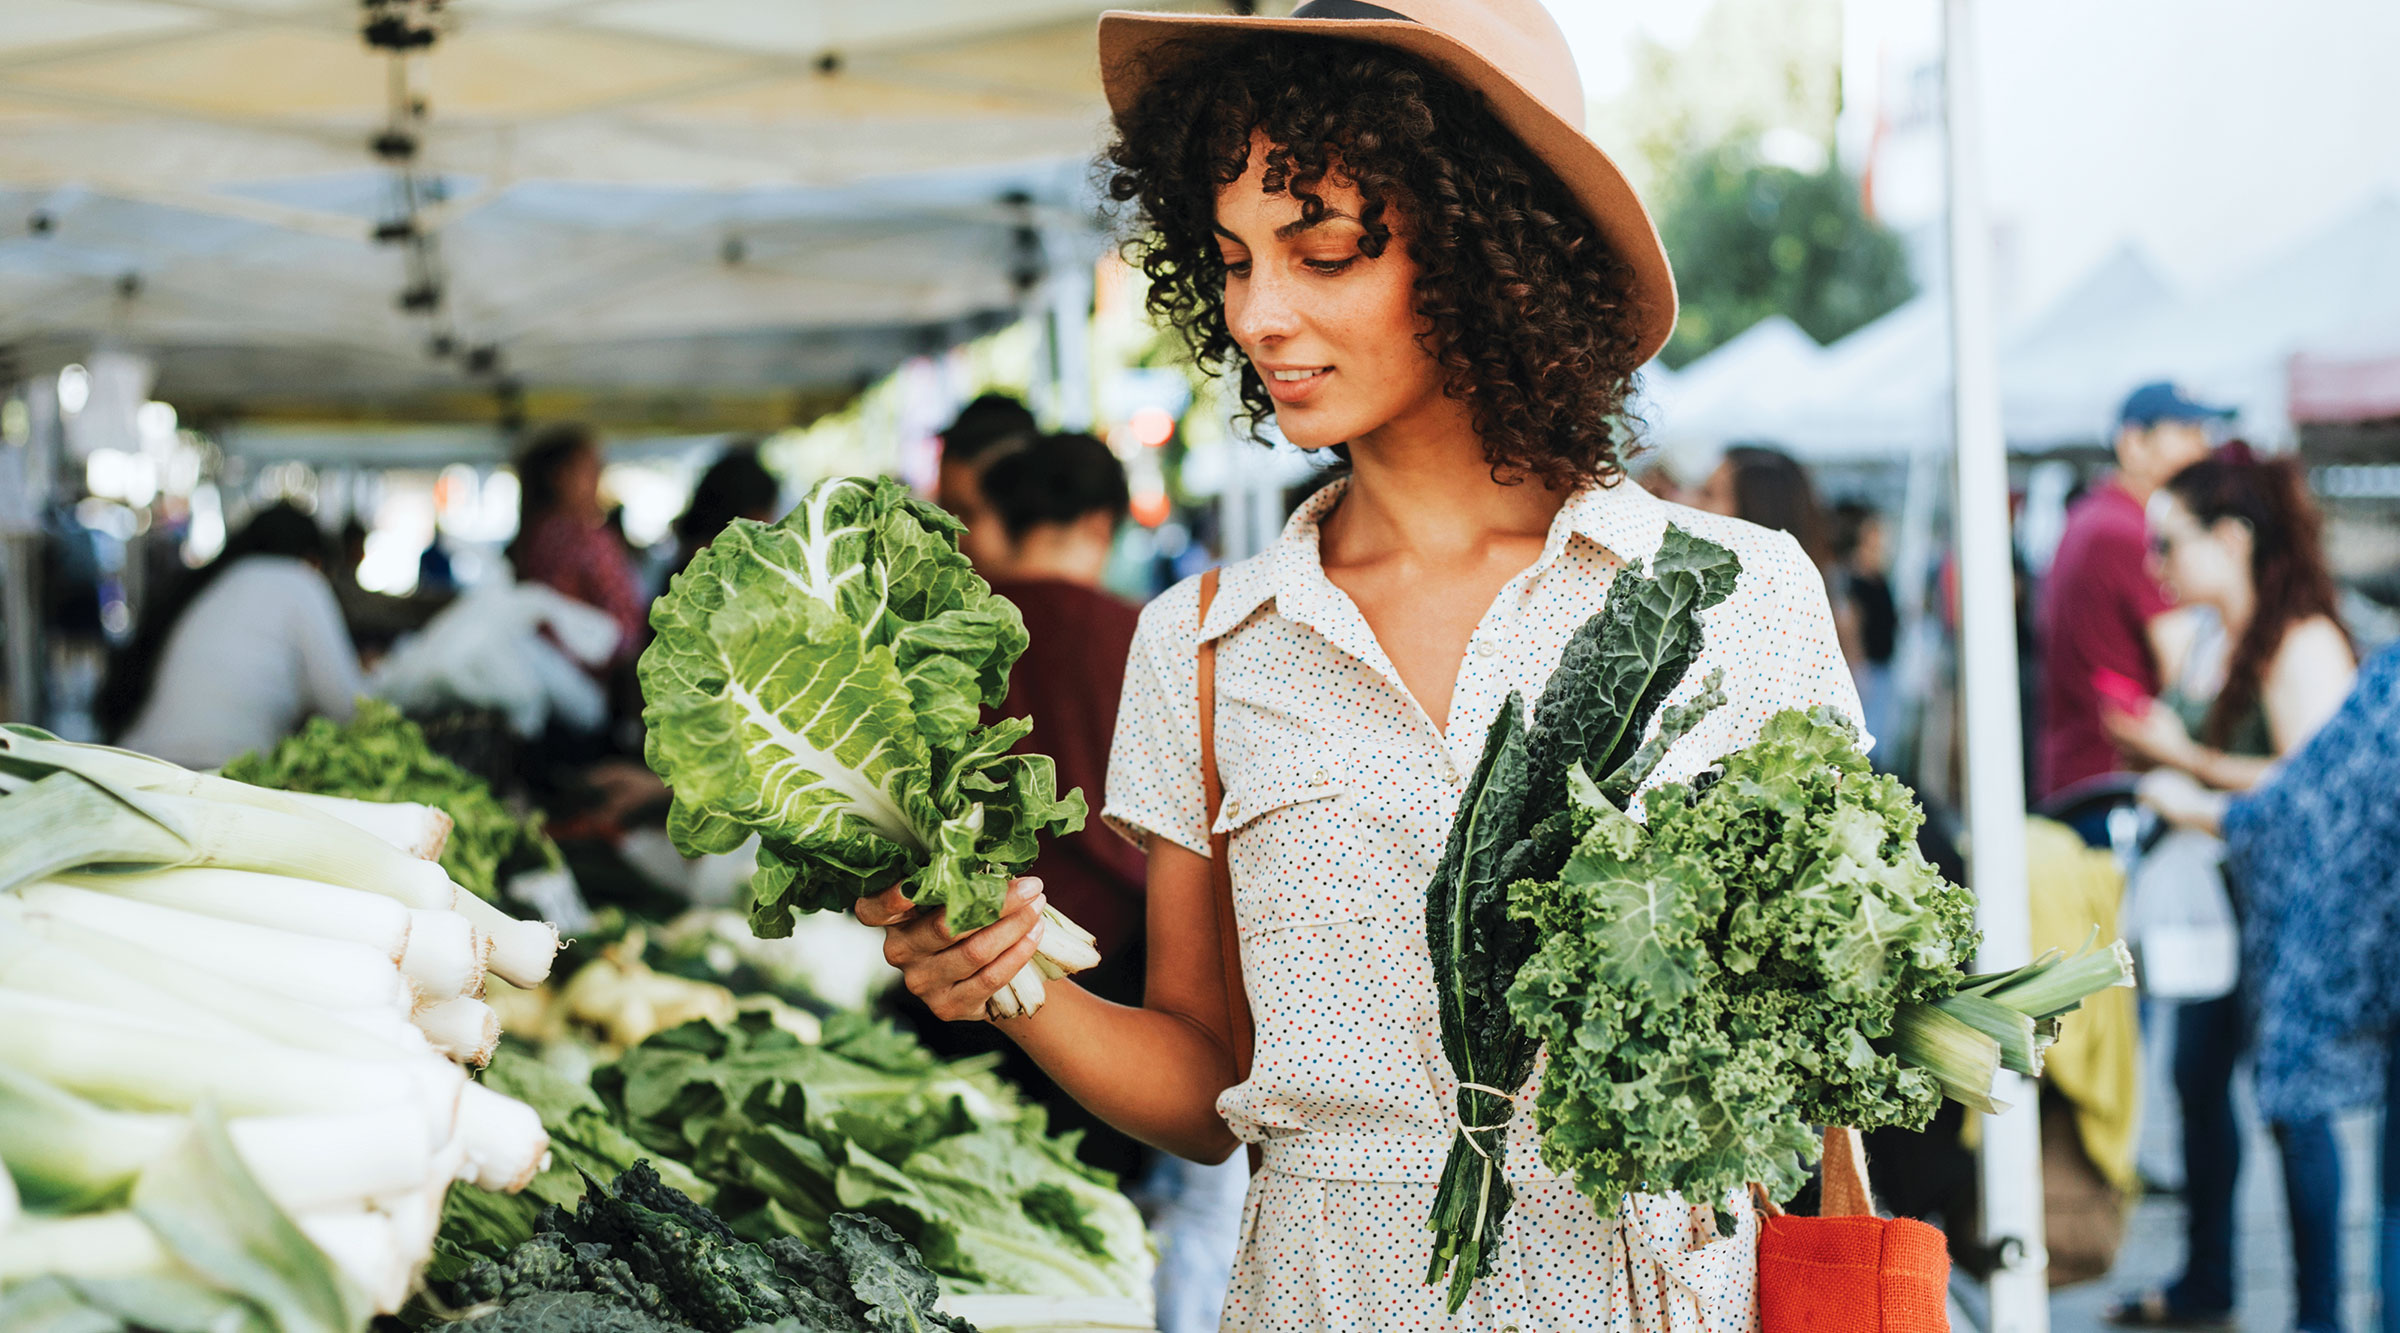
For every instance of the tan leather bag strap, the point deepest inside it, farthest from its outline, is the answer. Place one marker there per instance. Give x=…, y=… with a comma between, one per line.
x=1220, y=867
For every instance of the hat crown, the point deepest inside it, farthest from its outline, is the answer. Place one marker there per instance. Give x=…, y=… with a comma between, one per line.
x=1517, y=37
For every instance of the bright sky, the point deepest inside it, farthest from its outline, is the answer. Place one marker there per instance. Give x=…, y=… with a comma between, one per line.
x=2212, y=132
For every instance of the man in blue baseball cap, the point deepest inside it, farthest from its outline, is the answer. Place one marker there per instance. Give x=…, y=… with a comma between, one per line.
x=2099, y=600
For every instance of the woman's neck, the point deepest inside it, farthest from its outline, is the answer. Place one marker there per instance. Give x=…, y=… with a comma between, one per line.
x=1423, y=486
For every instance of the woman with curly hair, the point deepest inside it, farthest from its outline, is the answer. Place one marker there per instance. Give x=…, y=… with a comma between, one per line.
x=1387, y=221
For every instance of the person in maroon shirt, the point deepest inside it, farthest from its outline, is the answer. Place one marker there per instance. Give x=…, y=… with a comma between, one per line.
x=563, y=540
x=2100, y=597
x=1046, y=511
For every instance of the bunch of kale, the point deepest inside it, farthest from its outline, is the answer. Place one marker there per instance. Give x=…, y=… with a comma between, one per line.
x=637, y=1257
x=1516, y=823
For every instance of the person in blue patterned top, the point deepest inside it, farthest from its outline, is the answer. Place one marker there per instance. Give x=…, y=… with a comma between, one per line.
x=2315, y=851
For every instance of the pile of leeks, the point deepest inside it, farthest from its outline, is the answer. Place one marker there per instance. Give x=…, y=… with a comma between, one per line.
x=234, y=1031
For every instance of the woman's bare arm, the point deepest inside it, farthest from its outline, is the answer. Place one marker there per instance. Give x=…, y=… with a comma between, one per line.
x=1152, y=1072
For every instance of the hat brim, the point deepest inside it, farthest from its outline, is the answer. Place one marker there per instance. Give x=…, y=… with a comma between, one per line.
x=1129, y=42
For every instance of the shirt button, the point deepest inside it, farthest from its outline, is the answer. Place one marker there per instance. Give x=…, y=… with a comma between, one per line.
x=1318, y=778
x=1486, y=648
x=1448, y=770
x=1233, y=808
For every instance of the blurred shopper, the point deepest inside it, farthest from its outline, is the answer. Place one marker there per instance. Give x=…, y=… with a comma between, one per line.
x=737, y=485
x=2236, y=537
x=987, y=429
x=1770, y=488
x=2315, y=848
x=236, y=654
x=2100, y=598
x=563, y=539
x=1871, y=635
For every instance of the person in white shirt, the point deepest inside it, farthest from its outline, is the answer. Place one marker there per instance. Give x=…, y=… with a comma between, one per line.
x=239, y=653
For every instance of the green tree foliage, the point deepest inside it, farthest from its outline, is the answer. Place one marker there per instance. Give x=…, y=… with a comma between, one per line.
x=1750, y=240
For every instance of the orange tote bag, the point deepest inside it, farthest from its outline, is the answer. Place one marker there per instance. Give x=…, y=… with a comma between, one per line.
x=1849, y=1271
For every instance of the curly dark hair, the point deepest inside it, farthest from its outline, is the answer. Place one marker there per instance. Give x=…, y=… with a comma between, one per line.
x=1530, y=310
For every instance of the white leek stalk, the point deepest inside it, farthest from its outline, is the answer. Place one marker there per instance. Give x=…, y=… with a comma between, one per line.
x=47, y=956
x=444, y=959
x=521, y=951
x=301, y=906
x=503, y=1138
x=420, y=831
x=124, y=1061
x=92, y=1245
x=333, y=972
x=73, y=1152
x=367, y=1249
x=465, y=1030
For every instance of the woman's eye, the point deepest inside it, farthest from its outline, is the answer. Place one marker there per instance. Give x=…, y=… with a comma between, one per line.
x=1329, y=266
x=1237, y=268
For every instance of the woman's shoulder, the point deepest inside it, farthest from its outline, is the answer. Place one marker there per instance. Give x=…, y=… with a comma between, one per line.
x=2313, y=645
x=1173, y=617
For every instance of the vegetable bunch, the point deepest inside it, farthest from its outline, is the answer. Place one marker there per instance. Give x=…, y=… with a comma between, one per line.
x=232, y=1023
x=1514, y=823
x=381, y=756
x=1769, y=952
x=638, y=1257
x=818, y=683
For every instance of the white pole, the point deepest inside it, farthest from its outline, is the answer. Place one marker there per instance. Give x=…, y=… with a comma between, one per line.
x=1995, y=767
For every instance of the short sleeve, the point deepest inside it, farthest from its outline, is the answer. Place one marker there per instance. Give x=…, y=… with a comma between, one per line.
x=1154, y=787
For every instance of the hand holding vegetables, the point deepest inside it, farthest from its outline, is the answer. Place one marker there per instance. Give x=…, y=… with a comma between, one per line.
x=817, y=683
x=958, y=975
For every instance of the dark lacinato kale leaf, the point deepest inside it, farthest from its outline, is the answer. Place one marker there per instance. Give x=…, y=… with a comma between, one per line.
x=637, y=1256
x=887, y=1277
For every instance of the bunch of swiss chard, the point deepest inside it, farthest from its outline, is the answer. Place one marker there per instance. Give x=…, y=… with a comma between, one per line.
x=1768, y=952
x=818, y=683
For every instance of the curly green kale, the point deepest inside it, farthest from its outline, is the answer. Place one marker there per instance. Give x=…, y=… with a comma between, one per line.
x=1712, y=984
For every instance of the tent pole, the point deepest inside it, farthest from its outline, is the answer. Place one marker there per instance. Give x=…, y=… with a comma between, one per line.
x=1995, y=761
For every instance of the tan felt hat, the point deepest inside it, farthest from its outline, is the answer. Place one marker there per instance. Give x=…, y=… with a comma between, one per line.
x=1509, y=50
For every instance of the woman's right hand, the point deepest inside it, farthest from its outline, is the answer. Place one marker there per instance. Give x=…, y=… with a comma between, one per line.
x=955, y=974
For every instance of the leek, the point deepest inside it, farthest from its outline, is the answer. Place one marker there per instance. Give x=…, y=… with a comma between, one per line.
x=465, y=1030
x=301, y=906
x=158, y=1066
x=333, y=972
x=444, y=958
x=1964, y=1061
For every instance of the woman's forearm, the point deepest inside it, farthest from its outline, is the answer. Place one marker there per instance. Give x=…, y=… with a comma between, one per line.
x=1150, y=1074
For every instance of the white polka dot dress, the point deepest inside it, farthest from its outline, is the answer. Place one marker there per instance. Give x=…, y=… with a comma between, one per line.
x=1339, y=792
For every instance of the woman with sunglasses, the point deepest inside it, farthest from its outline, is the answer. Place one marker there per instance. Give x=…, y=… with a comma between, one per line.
x=2257, y=671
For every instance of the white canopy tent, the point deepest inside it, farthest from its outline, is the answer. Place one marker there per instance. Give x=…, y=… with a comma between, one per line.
x=655, y=196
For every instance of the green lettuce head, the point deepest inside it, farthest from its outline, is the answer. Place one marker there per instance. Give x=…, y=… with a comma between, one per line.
x=818, y=682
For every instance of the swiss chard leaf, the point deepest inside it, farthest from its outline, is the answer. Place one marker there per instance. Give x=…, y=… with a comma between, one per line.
x=818, y=682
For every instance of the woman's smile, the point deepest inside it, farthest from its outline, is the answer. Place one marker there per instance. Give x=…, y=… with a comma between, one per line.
x=1294, y=386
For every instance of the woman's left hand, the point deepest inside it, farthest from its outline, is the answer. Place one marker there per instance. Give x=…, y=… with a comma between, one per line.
x=2155, y=735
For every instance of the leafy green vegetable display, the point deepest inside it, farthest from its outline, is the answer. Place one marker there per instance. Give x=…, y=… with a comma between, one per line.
x=818, y=682
x=1513, y=824
x=790, y=1134
x=638, y=1257
x=381, y=756
x=1712, y=984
